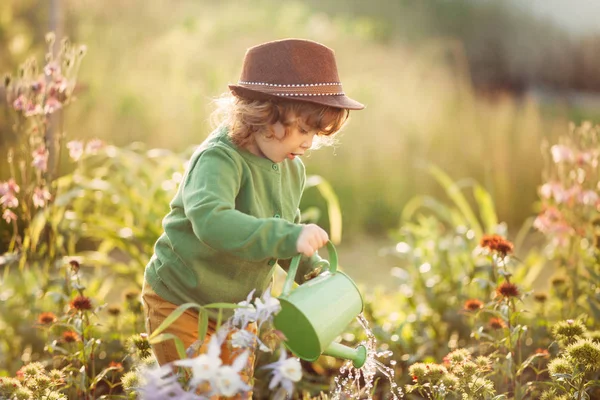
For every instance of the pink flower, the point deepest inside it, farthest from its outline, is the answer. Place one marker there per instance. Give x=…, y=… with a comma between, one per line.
x=559, y=193
x=19, y=103
x=552, y=221
x=40, y=197
x=33, y=109
x=553, y=189
x=75, y=149
x=58, y=88
x=40, y=159
x=561, y=153
x=93, y=146
x=12, y=186
x=560, y=241
x=9, y=187
x=38, y=85
x=9, y=200
x=9, y=216
x=546, y=190
x=52, y=68
x=567, y=196
x=587, y=157
x=52, y=104
x=588, y=197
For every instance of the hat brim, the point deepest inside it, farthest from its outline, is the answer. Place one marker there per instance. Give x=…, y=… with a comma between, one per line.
x=330, y=101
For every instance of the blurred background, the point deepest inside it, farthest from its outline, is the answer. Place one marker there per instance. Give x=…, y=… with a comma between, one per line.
x=474, y=87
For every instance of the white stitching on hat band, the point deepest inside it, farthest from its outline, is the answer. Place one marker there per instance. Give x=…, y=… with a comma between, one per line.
x=301, y=89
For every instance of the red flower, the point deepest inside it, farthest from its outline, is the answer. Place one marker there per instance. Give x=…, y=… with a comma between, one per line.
x=74, y=265
x=497, y=244
x=507, y=289
x=81, y=303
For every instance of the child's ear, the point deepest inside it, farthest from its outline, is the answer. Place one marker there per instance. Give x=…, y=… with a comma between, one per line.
x=278, y=130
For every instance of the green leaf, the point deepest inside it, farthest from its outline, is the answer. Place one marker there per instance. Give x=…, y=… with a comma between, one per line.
x=82, y=378
x=527, y=363
x=202, y=324
x=168, y=336
x=224, y=305
x=101, y=375
x=36, y=228
x=487, y=209
x=66, y=198
x=594, y=308
x=310, y=214
x=533, y=272
x=333, y=206
x=219, y=318
x=593, y=274
x=453, y=191
x=428, y=202
x=173, y=317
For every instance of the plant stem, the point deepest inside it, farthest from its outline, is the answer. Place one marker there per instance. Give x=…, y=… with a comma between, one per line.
x=83, y=360
x=580, y=389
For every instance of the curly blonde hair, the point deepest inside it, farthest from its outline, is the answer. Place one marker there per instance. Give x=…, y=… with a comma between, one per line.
x=245, y=117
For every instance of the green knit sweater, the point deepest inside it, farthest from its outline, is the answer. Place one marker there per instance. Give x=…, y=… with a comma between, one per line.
x=234, y=215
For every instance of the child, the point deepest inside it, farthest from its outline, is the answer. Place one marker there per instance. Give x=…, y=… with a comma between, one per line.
x=235, y=214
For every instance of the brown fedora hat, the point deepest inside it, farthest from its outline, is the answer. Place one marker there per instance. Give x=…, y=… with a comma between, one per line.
x=294, y=69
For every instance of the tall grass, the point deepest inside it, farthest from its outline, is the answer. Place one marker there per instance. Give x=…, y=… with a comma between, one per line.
x=155, y=68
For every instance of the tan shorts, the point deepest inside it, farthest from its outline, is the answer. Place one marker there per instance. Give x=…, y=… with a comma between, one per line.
x=157, y=309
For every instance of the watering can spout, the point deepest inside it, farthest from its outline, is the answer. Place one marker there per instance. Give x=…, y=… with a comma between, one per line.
x=358, y=355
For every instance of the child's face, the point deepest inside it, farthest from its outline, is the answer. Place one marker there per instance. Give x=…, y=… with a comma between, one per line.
x=279, y=147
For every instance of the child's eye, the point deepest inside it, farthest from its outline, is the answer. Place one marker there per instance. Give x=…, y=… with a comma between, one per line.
x=303, y=131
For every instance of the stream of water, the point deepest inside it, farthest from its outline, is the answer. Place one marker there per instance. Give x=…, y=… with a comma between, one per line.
x=348, y=384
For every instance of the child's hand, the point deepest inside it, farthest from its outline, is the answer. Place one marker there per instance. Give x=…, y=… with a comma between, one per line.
x=311, y=239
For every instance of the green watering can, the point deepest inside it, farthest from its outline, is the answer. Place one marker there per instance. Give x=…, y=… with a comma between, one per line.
x=316, y=312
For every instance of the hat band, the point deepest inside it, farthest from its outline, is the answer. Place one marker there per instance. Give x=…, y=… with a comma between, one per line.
x=301, y=89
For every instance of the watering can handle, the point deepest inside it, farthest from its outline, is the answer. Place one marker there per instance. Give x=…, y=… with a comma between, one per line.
x=289, y=280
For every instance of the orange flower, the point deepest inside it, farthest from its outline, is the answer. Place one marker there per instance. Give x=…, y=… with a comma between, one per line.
x=473, y=305
x=507, y=289
x=70, y=336
x=543, y=353
x=46, y=318
x=497, y=323
x=496, y=243
x=81, y=303
x=117, y=365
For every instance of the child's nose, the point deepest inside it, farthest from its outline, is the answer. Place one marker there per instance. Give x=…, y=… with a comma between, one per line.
x=307, y=144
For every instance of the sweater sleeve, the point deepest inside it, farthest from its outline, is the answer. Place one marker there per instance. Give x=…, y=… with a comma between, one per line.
x=209, y=192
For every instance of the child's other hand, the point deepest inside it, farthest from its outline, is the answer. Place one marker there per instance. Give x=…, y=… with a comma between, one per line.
x=311, y=239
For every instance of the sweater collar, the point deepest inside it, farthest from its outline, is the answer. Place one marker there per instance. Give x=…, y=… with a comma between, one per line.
x=262, y=162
